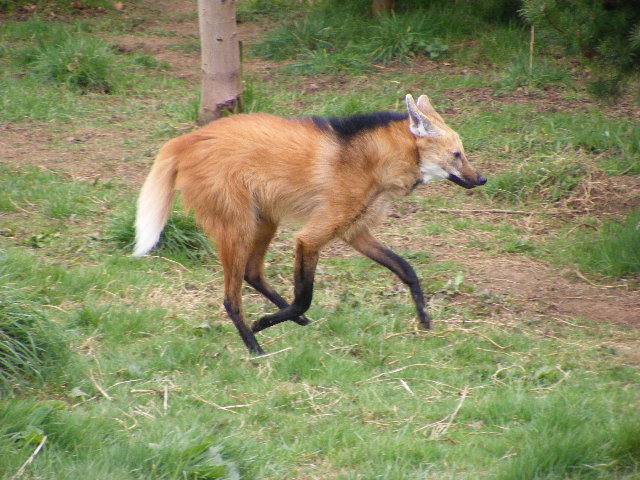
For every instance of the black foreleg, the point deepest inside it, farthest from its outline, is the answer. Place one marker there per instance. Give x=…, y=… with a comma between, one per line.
x=369, y=246
x=254, y=270
x=306, y=262
x=274, y=297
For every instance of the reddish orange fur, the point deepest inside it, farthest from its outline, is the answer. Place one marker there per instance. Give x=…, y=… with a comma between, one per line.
x=242, y=166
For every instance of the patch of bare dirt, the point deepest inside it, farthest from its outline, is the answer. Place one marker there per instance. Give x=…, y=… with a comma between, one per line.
x=549, y=100
x=543, y=291
x=84, y=154
x=603, y=195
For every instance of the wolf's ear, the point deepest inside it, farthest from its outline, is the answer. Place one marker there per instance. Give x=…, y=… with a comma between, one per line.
x=419, y=124
x=424, y=104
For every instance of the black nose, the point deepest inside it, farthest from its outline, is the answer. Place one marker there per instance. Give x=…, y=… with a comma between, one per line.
x=481, y=180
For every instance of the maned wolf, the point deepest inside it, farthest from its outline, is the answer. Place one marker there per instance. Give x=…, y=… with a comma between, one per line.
x=243, y=174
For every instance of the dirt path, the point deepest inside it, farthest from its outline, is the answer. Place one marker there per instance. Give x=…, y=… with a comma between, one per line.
x=542, y=290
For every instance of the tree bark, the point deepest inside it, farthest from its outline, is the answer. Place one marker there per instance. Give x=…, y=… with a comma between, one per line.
x=221, y=83
x=380, y=7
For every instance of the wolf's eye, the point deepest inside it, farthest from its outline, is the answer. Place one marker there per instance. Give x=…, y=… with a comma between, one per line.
x=457, y=155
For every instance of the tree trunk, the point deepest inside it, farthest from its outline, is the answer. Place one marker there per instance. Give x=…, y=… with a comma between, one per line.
x=221, y=86
x=380, y=7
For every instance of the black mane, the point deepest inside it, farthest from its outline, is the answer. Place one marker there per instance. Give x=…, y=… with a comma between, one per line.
x=352, y=125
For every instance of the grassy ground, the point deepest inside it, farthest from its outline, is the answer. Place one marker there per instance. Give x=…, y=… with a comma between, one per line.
x=114, y=367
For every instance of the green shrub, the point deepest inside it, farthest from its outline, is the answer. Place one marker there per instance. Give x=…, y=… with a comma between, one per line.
x=67, y=55
x=80, y=62
x=604, y=34
x=310, y=33
x=401, y=37
x=323, y=61
x=356, y=39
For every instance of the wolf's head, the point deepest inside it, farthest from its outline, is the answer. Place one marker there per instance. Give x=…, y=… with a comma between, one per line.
x=440, y=148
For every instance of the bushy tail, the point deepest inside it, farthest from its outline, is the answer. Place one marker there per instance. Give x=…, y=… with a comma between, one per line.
x=154, y=203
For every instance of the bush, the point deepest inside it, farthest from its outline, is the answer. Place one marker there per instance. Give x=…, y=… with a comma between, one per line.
x=346, y=31
x=605, y=33
x=401, y=37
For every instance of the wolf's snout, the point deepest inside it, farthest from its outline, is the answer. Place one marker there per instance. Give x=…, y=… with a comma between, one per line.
x=467, y=182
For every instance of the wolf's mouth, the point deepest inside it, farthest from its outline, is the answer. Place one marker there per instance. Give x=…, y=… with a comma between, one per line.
x=458, y=181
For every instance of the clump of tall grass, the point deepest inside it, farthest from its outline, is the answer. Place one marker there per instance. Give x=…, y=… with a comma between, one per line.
x=181, y=236
x=67, y=55
x=322, y=60
x=29, y=344
x=401, y=37
x=80, y=62
x=614, y=249
x=547, y=178
x=560, y=441
x=537, y=74
x=253, y=9
x=300, y=35
x=354, y=39
x=101, y=448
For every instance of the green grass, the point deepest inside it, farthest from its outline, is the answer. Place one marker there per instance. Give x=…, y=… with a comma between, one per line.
x=539, y=74
x=101, y=447
x=67, y=57
x=613, y=249
x=544, y=178
x=47, y=64
x=328, y=35
x=128, y=368
x=31, y=347
x=358, y=361
x=180, y=236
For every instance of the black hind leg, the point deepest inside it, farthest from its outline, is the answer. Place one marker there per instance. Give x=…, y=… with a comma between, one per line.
x=254, y=270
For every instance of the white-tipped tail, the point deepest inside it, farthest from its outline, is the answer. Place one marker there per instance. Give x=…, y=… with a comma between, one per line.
x=154, y=204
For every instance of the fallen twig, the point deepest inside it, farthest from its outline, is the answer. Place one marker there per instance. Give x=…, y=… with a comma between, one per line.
x=165, y=400
x=227, y=408
x=170, y=261
x=102, y=391
x=406, y=387
x=259, y=357
x=22, y=469
x=442, y=426
x=481, y=335
x=483, y=210
x=390, y=372
x=604, y=287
